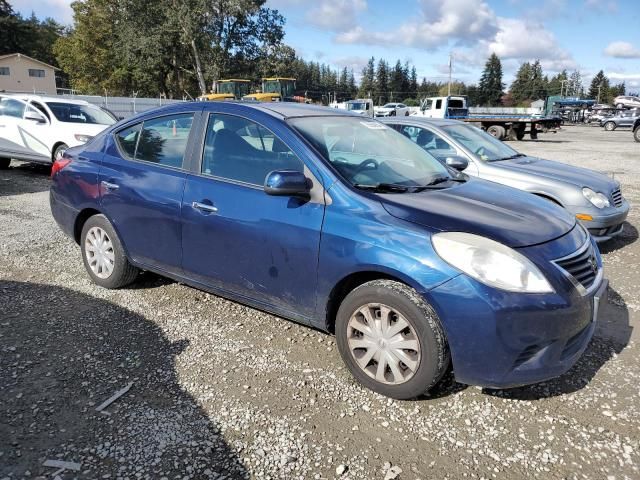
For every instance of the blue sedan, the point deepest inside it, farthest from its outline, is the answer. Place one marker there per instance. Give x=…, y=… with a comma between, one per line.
x=341, y=223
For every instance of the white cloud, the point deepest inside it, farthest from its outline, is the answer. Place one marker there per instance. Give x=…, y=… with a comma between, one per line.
x=59, y=10
x=336, y=15
x=622, y=50
x=440, y=21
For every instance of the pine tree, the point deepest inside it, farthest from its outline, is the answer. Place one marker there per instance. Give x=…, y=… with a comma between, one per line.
x=368, y=78
x=413, y=83
x=491, y=86
x=558, y=83
x=381, y=83
x=599, y=88
x=537, y=85
x=520, y=88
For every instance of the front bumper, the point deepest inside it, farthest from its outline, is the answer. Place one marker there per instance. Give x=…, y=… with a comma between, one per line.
x=605, y=225
x=502, y=339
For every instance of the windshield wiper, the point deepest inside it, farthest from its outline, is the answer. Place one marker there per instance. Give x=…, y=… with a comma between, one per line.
x=382, y=187
x=517, y=155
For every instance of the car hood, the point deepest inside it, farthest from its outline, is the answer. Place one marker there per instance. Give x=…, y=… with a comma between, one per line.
x=504, y=214
x=580, y=177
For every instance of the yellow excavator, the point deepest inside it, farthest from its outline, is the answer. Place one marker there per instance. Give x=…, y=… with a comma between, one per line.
x=230, y=89
x=276, y=89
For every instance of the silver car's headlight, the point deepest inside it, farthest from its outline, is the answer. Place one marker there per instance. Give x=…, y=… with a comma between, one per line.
x=598, y=199
x=490, y=262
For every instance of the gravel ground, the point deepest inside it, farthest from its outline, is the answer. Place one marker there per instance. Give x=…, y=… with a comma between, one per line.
x=224, y=391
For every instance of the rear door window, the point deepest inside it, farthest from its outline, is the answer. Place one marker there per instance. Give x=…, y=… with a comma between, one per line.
x=161, y=140
x=127, y=140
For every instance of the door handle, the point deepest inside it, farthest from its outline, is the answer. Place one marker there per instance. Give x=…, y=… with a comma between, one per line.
x=110, y=186
x=204, y=207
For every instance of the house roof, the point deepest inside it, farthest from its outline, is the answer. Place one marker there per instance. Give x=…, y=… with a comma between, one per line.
x=20, y=55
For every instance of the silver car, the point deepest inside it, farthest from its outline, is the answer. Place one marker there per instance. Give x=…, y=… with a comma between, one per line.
x=620, y=120
x=592, y=197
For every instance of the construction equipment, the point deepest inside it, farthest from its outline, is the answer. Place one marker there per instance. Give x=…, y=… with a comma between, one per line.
x=277, y=89
x=231, y=89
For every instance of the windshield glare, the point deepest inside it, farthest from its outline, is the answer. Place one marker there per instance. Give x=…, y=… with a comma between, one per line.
x=72, y=113
x=366, y=152
x=481, y=144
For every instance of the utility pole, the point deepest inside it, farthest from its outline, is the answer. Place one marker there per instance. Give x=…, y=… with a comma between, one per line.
x=450, y=67
x=599, y=87
x=562, y=82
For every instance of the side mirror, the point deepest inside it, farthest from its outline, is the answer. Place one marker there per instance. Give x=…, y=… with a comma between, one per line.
x=34, y=116
x=457, y=162
x=287, y=183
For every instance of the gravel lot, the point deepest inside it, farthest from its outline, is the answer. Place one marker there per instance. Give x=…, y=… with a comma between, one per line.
x=224, y=391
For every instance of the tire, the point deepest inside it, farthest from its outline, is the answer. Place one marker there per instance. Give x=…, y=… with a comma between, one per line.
x=122, y=272
x=428, y=357
x=636, y=134
x=4, y=163
x=609, y=126
x=497, y=131
x=59, y=150
x=406, y=114
x=392, y=114
x=520, y=134
x=620, y=105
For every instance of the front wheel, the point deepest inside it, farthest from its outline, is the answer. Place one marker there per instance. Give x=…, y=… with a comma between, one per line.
x=609, y=126
x=620, y=105
x=391, y=340
x=103, y=255
x=4, y=163
x=636, y=134
x=497, y=131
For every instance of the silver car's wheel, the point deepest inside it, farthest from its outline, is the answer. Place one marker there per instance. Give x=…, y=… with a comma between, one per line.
x=99, y=252
x=383, y=344
x=609, y=126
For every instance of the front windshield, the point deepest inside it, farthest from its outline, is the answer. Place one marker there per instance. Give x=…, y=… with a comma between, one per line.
x=356, y=106
x=74, y=113
x=226, y=87
x=483, y=146
x=368, y=153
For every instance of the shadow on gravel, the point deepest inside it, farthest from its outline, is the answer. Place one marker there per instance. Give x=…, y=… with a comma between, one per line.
x=62, y=353
x=24, y=178
x=611, y=337
x=627, y=237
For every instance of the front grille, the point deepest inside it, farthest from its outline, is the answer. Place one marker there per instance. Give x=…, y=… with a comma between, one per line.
x=582, y=266
x=616, y=196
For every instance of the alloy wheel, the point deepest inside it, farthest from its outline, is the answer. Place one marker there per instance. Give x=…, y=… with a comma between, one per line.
x=383, y=344
x=99, y=251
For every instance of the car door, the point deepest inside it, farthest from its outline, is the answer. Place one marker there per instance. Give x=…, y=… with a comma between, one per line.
x=238, y=239
x=36, y=131
x=142, y=178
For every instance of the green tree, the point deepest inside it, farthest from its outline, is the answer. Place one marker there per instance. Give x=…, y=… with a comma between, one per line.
x=558, y=83
x=381, y=95
x=367, y=83
x=491, y=87
x=537, y=82
x=575, y=87
x=599, y=88
x=520, y=88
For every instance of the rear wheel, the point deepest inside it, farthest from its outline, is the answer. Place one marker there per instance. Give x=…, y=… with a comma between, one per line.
x=619, y=105
x=391, y=339
x=59, y=151
x=497, y=131
x=636, y=134
x=609, y=126
x=103, y=255
x=4, y=163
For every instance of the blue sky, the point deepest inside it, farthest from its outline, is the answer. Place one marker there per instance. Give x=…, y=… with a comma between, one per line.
x=587, y=35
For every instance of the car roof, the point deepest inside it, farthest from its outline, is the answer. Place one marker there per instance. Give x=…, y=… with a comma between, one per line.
x=42, y=98
x=291, y=109
x=416, y=120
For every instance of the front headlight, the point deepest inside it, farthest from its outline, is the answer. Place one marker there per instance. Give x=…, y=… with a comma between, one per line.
x=490, y=262
x=599, y=200
x=82, y=138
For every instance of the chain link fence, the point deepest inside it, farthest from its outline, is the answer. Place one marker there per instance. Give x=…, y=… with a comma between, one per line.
x=123, y=107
